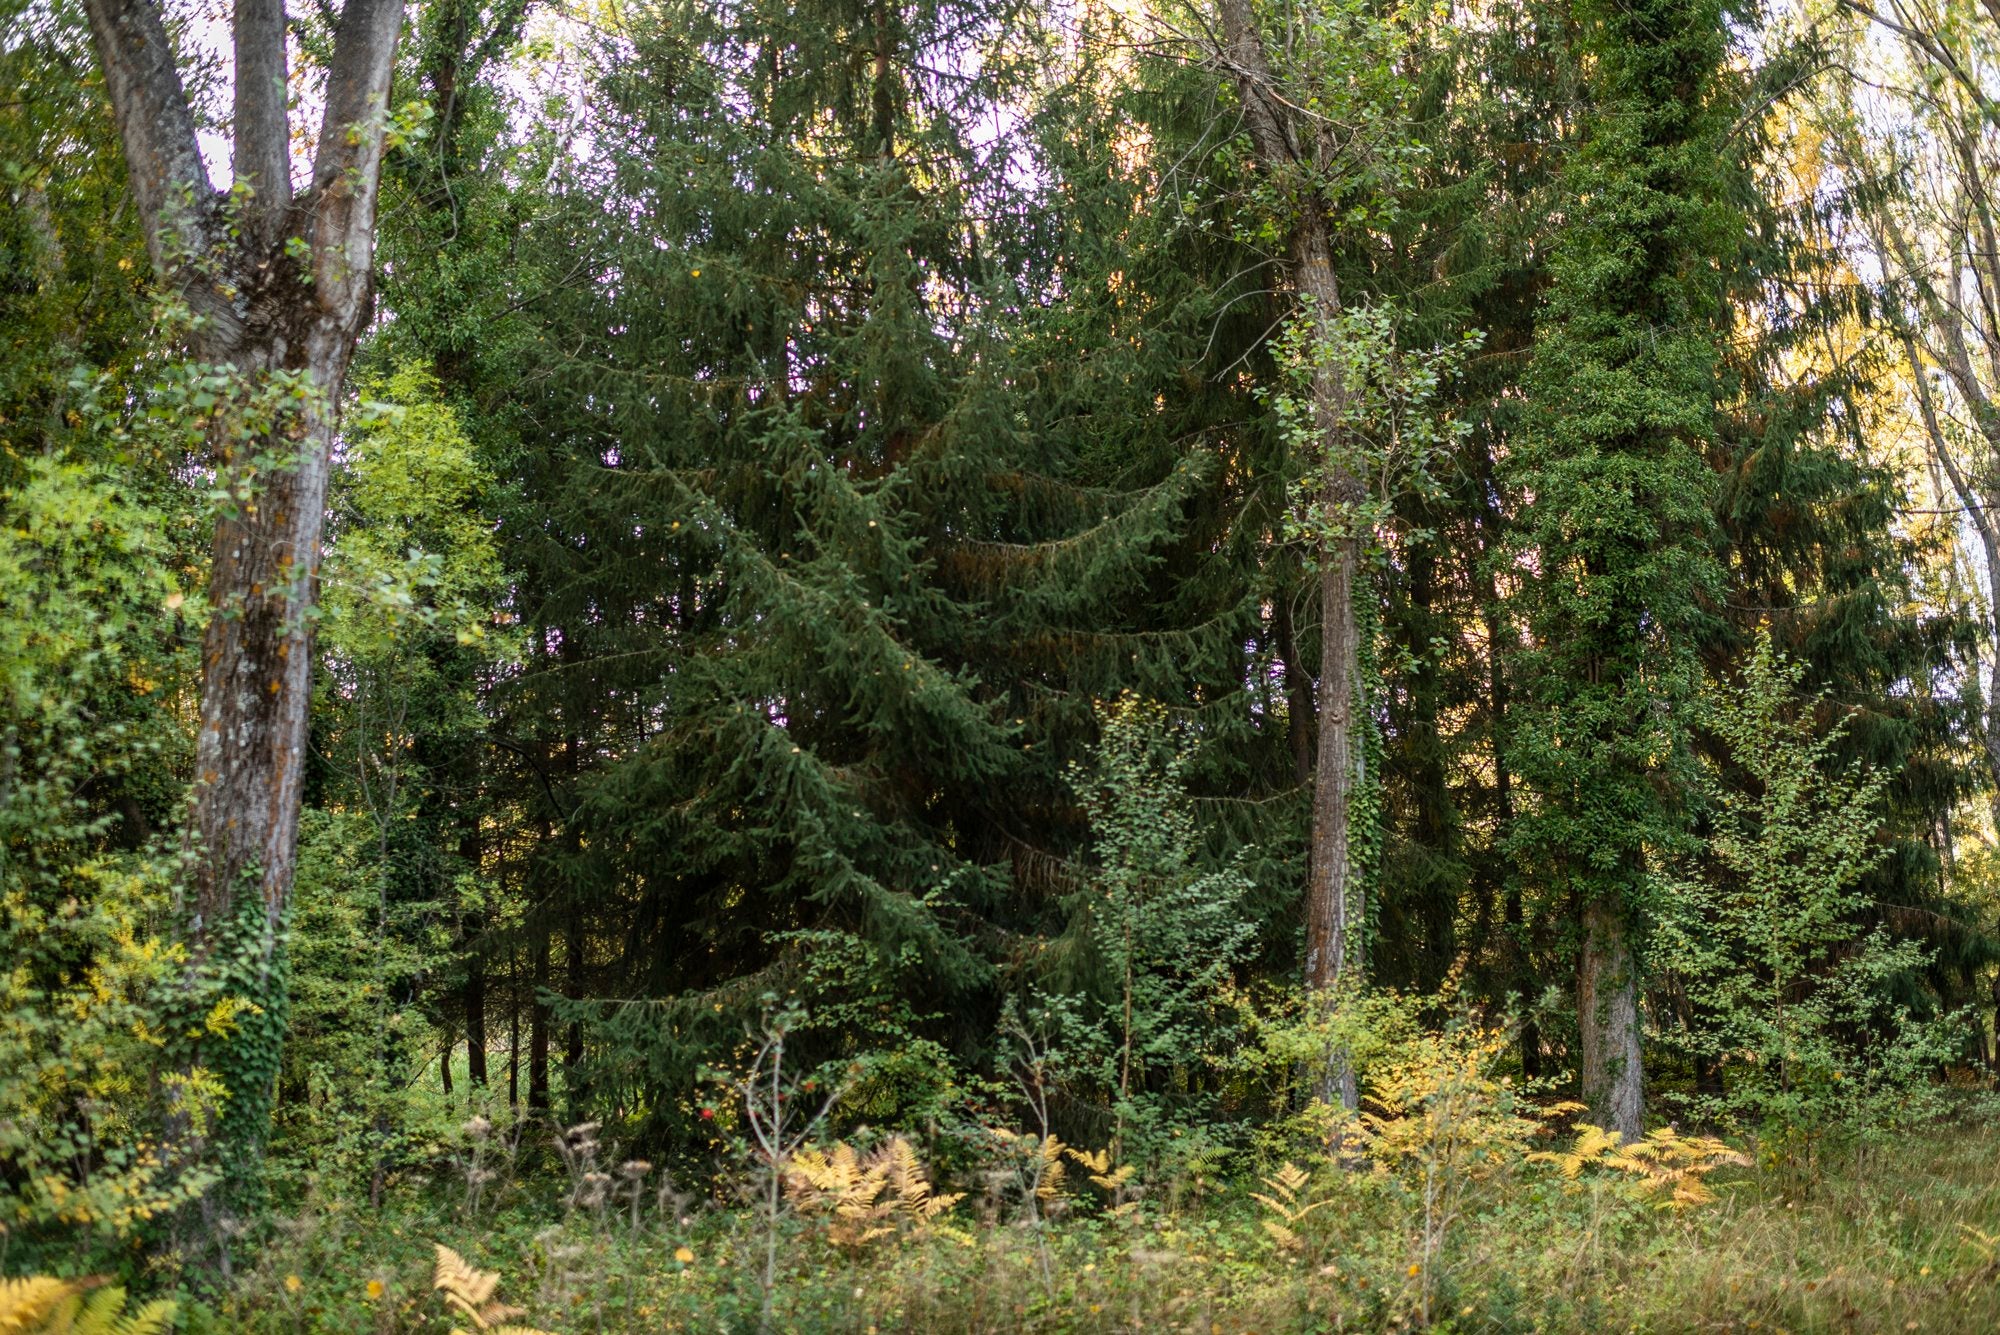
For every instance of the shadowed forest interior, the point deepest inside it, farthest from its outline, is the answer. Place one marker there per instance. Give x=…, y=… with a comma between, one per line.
x=861, y=665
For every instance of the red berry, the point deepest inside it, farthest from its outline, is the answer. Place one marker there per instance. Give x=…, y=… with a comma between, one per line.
x=708, y=1114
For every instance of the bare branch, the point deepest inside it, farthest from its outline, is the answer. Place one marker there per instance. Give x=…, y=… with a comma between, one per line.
x=347, y=172
x=1926, y=43
x=157, y=127
x=262, y=130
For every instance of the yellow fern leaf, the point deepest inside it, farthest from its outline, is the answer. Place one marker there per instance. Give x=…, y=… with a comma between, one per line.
x=469, y=1290
x=1284, y=1236
x=1097, y=1162
x=26, y=1303
x=43, y=1306
x=155, y=1318
x=1113, y=1181
x=462, y=1285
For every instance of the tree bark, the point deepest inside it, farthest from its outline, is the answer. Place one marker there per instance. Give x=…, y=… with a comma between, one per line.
x=572, y=1061
x=474, y=997
x=1994, y=994
x=538, y=1030
x=475, y=1020
x=1334, y=908
x=514, y=1029
x=1607, y=1017
x=280, y=285
x=269, y=307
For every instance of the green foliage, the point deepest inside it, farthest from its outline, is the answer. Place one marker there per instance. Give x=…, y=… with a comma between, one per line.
x=413, y=622
x=1392, y=429
x=413, y=556
x=1788, y=983
x=1625, y=392
x=72, y=263
x=1135, y=985
x=93, y=981
x=789, y=426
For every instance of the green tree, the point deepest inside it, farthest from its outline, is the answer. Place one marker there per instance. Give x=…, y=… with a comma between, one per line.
x=1616, y=538
x=1152, y=939
x=1791, y=986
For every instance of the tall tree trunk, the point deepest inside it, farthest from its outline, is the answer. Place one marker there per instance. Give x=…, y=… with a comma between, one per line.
x=1334, y=908
x=572, y=1062
x=1607, y=1017
x=475, y=1019
x=1994, y=994
x=282, y=283
x=474, y=997
x=538, y=1030
x=514, y=1029
x=1333, y=898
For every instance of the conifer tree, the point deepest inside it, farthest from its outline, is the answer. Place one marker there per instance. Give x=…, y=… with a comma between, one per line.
x=1616, y=539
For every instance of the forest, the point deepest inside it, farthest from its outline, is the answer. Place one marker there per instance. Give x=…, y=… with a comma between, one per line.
x=968, y=666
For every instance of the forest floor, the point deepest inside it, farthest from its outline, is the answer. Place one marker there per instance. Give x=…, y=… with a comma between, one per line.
x=1903, y=1237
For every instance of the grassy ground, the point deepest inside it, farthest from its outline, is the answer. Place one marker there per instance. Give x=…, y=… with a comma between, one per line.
x=1894, y=1239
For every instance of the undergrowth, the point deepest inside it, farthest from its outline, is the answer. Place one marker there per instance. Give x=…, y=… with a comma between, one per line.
x=1895, y=1238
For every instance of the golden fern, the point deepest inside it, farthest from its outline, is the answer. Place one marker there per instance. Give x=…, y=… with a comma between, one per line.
x=1101, y=1171
x=470, y=1291
x=1287, y=1200
x=1593, y=1144
x=24, y=1303
x=912, y=1185
x=1052, y=1168
x=1665, y=1165
x=44, y=1306
x=865, y=1198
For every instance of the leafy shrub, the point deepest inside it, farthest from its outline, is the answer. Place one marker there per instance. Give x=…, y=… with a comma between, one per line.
x=101, y=1121
x=1788, y=988
x=1134, y=991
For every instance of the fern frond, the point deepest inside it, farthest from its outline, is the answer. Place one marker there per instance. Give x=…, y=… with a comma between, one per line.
x=469, y=1290
x=1284, y=1237
x=1290, y=1179
x=26, y=1303
x=1114, y=1180
x=153, y=1319
x=1098, y=1161
x=44, y=1306
x=462, y=1285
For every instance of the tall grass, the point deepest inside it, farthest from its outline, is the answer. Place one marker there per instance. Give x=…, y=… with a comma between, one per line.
x=1904, y=1237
